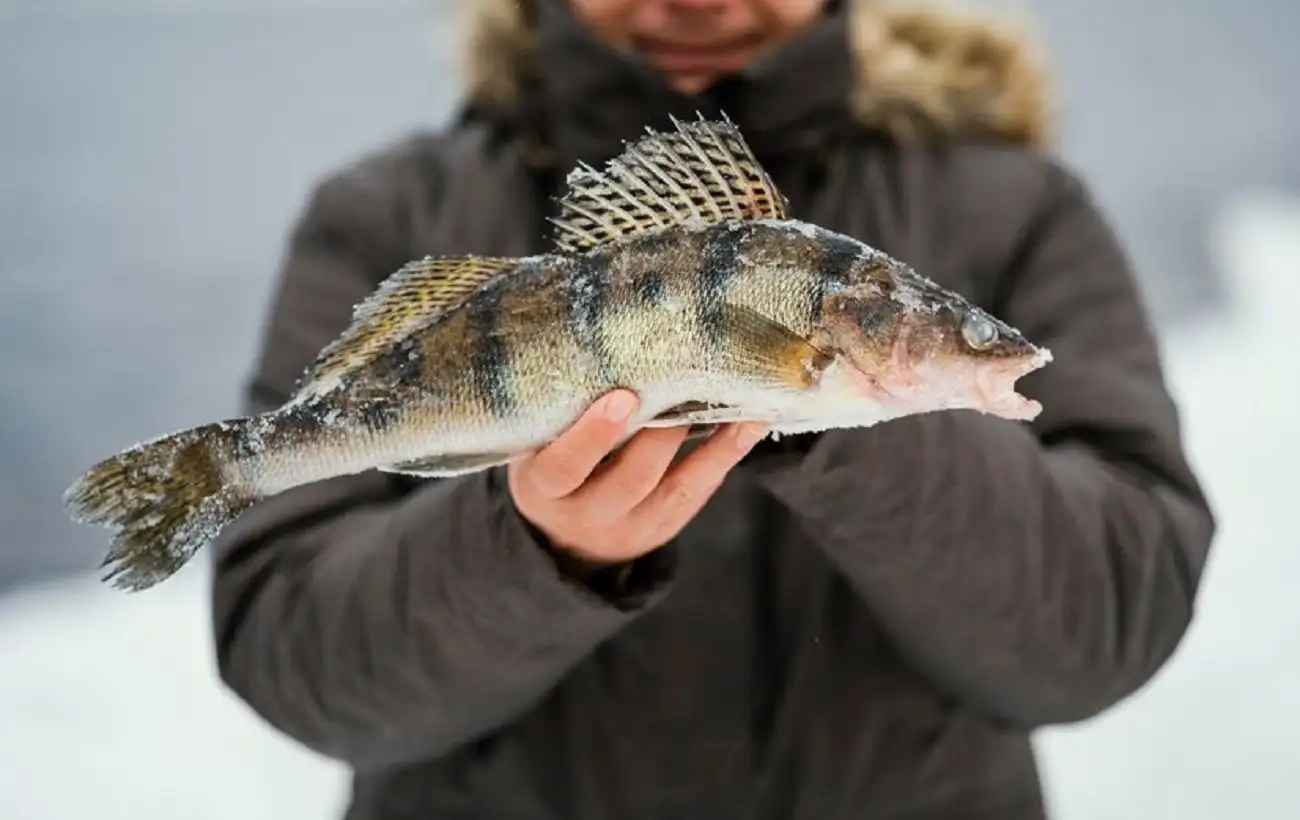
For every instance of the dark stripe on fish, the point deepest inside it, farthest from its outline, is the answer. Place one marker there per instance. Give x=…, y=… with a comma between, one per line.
x=646, y=258
x=585, y=288
x=404, y=363
x=379, y=414
x=719, y=263
x=839, y=255
x=291, y=425
x=650, y=287
x=249, y=445
x=308, y=417
x=491, y=361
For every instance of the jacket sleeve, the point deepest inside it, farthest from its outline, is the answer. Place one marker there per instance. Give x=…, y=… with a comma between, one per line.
x=378, y=620
x=1040, y=572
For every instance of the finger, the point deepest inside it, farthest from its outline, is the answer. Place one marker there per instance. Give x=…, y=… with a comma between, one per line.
x=689, y=485
x=631, y=474
x=563, y=465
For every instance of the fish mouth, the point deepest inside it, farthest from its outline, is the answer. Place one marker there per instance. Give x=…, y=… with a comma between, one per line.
x=995, y=386
x=988, y=386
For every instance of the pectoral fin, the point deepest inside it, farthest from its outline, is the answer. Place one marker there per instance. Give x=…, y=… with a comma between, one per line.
x=770, y=353
x=761, y=351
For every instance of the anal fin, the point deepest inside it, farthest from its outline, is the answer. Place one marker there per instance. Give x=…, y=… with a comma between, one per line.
x=694, y=413
x=451, y=464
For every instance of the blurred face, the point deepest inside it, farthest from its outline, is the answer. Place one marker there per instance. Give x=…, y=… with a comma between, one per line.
x=696, y=42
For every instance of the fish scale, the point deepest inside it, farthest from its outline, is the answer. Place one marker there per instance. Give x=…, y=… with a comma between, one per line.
x=677, y=272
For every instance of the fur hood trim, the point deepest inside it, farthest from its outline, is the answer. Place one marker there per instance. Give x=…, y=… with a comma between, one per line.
x=921, y=72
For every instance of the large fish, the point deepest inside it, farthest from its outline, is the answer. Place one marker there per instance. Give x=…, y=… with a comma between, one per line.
x=677, y=272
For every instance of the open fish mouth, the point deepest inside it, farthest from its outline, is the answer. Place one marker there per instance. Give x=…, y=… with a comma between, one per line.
x=986, y=385
x=995, y=385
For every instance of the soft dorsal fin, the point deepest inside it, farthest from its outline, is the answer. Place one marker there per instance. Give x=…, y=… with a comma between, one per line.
x=417, y=293
x=702, y=173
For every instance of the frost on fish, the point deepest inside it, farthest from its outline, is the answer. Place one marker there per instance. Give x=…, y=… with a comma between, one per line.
x=677, y=272
x=166, y=497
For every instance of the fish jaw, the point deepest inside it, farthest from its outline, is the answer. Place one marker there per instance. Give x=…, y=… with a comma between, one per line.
x=996, y=385
x=908, y=387
x=917, y=347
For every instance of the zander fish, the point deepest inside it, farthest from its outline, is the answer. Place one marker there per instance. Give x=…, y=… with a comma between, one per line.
x=677, y=272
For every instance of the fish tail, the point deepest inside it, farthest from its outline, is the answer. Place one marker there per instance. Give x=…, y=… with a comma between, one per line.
x=165, y=498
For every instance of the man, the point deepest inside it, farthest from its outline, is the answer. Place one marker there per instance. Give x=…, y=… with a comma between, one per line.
x=864, y=623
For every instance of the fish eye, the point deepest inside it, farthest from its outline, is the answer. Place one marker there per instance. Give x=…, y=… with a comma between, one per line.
x=978, y=332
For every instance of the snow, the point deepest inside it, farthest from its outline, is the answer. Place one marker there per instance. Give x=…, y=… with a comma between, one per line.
x=111, y=708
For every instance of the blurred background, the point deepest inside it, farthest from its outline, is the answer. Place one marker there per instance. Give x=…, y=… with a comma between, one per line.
x=152, y=156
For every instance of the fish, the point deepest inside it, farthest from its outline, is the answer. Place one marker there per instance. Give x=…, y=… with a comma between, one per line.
x=676, y=271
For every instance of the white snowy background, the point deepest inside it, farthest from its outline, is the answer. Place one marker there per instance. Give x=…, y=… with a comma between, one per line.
x=110, y=707
x=152, y=153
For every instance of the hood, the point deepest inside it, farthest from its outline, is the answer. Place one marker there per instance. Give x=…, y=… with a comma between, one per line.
x=915, y=74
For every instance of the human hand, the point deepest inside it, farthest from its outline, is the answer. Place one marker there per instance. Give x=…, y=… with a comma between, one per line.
x=602, y=514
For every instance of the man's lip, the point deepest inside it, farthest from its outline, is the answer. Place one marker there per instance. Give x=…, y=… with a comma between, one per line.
x=697, y=57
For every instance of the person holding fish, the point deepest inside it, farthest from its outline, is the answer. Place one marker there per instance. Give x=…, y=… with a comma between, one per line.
x=647, y=442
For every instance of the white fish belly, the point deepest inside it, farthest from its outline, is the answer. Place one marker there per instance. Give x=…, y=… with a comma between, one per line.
x=836, y=402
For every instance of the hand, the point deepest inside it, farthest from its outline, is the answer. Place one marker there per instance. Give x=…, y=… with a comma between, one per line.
x=602, y=514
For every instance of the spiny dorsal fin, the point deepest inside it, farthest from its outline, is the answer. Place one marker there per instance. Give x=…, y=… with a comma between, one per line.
x=703, y=173
x=411, y=297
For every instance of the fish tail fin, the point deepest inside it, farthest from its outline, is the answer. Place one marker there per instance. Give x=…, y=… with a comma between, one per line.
x=165, y=498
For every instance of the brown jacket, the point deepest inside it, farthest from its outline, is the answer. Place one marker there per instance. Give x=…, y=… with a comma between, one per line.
x=860, y=624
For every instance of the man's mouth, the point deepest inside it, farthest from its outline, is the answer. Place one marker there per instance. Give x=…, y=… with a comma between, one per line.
x=699, y=58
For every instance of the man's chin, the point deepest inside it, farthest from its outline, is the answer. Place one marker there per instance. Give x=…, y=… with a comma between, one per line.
x=690, y=83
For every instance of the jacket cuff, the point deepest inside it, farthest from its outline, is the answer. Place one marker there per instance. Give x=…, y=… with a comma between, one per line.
x=486, y=562
x=627, y=586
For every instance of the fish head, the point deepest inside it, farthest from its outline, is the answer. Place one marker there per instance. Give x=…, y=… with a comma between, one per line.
x=915, y=347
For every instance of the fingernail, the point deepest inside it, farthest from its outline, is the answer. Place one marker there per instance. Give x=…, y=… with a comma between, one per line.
x=619, y=406
x=747, y=435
